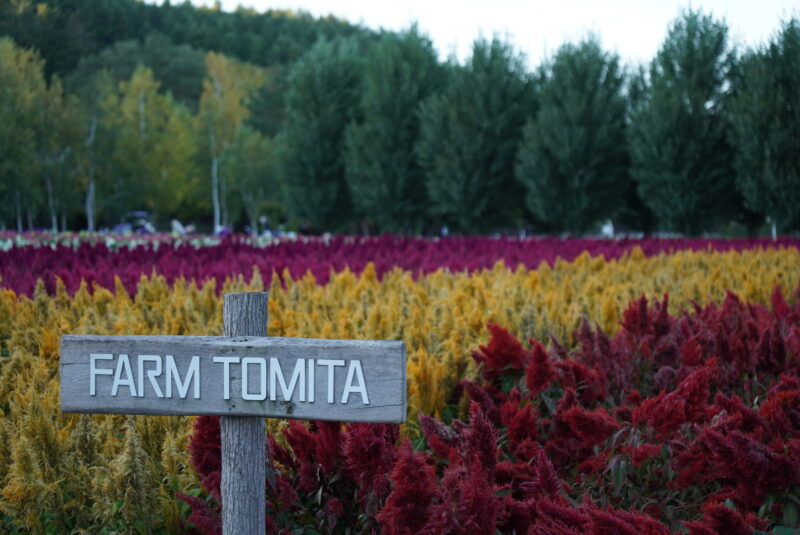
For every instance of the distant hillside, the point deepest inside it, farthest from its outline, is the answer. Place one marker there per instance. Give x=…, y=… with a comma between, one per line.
x=64, y=31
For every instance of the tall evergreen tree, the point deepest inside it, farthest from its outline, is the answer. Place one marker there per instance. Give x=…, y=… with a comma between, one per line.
x=574, y=159
x=383, y=173
x=469, y=136
x=765, y=115
x=324, y=88
x=681, y=158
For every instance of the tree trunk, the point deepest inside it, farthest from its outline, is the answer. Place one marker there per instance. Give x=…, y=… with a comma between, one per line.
x=90, y=188
x=774, y=230
x=223, y=196
x=90, y=205
x=48, y=182
x=18, y=209
x=63, y=221
x=215, y=190
x=212, y=140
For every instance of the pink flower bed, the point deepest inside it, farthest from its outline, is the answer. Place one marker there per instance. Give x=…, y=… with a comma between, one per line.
x=20, y=267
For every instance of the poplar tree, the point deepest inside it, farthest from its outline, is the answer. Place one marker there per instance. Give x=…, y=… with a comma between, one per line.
x=323, y=92
x=383, y=173
x=681, y=158
x=574, y=159
x=469, y=136
x=765, y=115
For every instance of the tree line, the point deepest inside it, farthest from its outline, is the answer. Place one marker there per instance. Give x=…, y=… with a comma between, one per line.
x=363, y=130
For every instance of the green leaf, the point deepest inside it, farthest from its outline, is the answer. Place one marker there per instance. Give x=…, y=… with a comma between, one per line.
x=790, y=515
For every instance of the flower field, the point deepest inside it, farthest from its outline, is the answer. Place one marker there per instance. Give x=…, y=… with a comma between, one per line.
x=558, y=391
x=76, y=258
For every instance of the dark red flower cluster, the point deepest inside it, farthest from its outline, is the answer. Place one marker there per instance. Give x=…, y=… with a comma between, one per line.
x=92, y=261
x=685, y=423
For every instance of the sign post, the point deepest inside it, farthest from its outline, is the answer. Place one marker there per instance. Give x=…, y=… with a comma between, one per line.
x=244, y=438
x=242, y=376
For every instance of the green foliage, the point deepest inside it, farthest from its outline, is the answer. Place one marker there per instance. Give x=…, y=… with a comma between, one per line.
x=23, y=85
x=469, y=136
x=573, y=160
x=681, y=158
x=223, y=109
x=765, y=115
x=147, y=122
x=267, y=107
x=249, y=161
x=323, y=92
x=370, y=127
x=64, y=31
x=179, y=68
x=385, y=179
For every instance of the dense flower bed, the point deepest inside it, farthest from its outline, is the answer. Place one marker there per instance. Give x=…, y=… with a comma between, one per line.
x=100, y=262
x=60, y=473
x=677, y=424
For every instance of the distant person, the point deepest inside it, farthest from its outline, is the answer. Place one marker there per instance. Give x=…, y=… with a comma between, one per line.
x=177, y=228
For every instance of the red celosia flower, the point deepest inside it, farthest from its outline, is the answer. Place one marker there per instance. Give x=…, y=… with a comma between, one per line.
x=591, y=427
x=469, y=503
x=328, y=444
x=278, y=453
x=203, y=516
x=779, y=306
x=503, y=352
x=635, y=319
x=527, y=450
x=557, y=518
x=547, y=482
x=520, y=422
x=686, y=404
x=286, y=494
x=539, y=372
x=303, y=444
x=737, y=415
x=206, y=452
x=605, y=522
x=369, y=455
x=719, y=519
x=480, y=440
x=480, y=395
x=587, y=382
x=644, y=453
x=414, y=494
x=750, y=468
x=692, y=352
x=771, y=351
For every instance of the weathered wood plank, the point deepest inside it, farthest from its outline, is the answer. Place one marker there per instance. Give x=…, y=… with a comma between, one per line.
x=244, y=438
x=382, y=364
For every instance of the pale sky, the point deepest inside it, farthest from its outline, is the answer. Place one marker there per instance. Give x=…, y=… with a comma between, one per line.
x=632, y=28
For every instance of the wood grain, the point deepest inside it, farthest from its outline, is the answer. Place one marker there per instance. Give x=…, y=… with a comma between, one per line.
x=244, y=438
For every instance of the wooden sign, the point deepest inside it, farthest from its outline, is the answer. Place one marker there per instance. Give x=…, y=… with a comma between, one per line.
x=341, y=380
